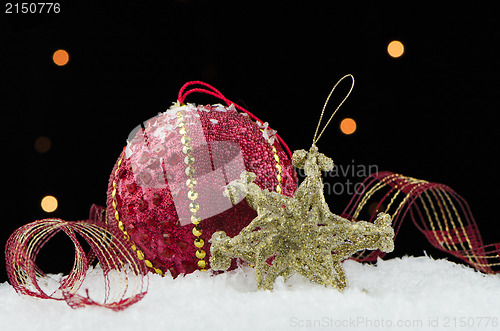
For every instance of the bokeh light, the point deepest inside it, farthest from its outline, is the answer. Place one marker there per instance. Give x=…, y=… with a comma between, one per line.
x=372, y=208
x=395, y=48
x=43, y=144
x=49, y=204
x=60, y=57
x=348, y=126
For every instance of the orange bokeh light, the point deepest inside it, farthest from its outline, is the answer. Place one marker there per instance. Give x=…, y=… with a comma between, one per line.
x=395, y=48
x=49, y=204
x=348, y=126
x=60, y=57
x=43, y=144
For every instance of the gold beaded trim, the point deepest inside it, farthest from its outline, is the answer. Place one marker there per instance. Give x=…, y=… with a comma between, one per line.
x=192, y=195
x=279, y=169
x=140, y=254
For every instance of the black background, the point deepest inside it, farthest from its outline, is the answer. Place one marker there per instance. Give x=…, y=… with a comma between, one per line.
x=431, y=114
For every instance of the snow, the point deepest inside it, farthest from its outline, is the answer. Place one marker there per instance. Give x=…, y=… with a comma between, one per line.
x=406, y=293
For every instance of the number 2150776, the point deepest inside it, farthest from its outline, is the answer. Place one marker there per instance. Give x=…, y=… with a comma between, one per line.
x=32, y=7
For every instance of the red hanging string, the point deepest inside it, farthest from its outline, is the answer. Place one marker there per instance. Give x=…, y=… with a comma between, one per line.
x=183, y=93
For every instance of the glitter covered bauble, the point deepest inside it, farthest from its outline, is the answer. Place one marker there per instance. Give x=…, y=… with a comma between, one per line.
x=166, y=189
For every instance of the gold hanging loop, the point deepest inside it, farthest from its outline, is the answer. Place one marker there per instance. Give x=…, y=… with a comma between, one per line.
x=316, y=136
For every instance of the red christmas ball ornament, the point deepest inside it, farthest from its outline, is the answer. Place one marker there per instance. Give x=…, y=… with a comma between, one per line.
x=166, y=189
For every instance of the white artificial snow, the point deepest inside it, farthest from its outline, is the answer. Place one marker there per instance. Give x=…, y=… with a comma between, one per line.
x=407, y=293
x=267, y=132
x=219, y=107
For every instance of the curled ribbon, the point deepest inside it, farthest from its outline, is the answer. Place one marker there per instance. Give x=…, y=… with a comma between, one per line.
x=443, y=216
x=115, y=257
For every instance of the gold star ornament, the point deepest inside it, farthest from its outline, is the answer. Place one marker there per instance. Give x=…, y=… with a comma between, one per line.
x=298, y=234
